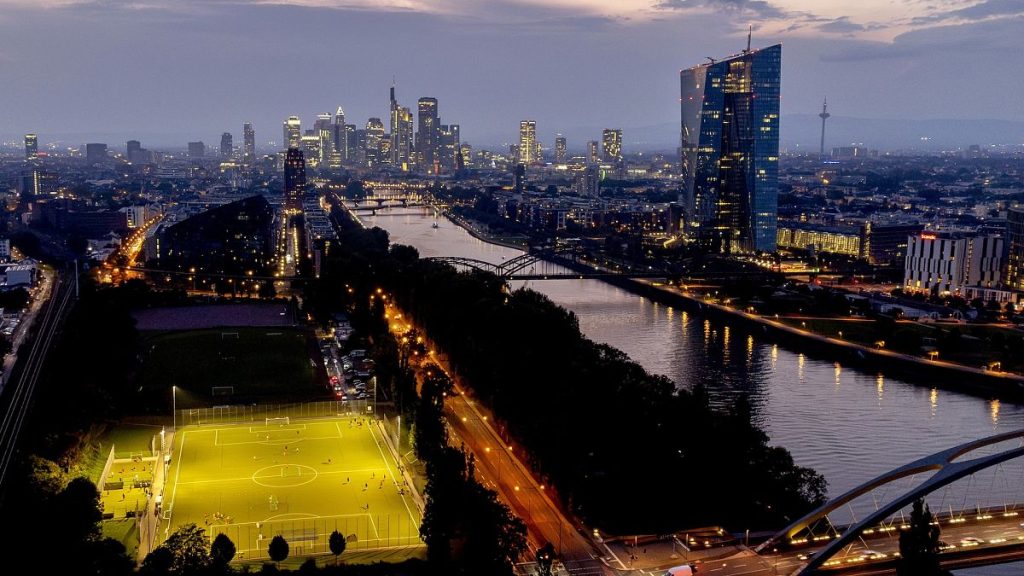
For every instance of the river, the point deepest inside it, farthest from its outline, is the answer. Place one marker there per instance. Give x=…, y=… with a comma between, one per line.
x=845, y=423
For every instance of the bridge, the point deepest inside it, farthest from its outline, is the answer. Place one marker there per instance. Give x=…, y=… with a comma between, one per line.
x=985, y=527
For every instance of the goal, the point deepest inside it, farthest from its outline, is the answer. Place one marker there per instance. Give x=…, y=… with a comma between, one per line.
x=283, y=421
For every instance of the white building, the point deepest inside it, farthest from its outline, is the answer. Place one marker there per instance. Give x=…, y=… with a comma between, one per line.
x=949, y=263
x=5, y=250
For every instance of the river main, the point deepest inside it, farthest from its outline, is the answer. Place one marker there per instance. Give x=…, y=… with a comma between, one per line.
x=847, y=424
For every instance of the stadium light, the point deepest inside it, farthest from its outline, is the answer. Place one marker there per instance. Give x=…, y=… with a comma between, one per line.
x=174, y=407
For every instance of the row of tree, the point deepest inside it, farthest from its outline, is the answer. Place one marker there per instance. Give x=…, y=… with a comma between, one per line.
x=625, y=450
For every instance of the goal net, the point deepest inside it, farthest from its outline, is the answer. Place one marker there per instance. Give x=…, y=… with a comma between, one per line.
x=279, y=421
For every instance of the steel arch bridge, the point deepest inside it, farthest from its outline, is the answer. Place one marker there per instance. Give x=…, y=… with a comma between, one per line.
x=509, y=269
x=947, y=467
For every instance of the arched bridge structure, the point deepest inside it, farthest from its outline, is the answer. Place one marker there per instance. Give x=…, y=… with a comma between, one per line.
x=522, y=267
x=946, y=467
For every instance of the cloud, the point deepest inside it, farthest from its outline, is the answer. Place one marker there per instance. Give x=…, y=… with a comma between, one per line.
x=755, y=8
x=841, y=25
x=988, y=9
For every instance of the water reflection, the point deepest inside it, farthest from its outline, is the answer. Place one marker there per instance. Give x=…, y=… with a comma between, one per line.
x=848, y=424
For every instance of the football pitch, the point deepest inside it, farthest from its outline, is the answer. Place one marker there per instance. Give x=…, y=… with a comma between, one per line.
x=300, y=479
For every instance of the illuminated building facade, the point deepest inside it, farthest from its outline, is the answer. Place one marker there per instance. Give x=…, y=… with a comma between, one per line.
x=948, y=263
x=324, y=131
x=401, y=127
x=846, y=240
x=248, y=144
x=1015, y=251
x=292, y=137
x=427, y=135
x=611, y=145
x=294, y=179
x=340, y=135
x=527, y=142
x=449, y=148
x=31, y=147
x=374, y=141
x=560, y=155
x=729, y=141
x=592, y=154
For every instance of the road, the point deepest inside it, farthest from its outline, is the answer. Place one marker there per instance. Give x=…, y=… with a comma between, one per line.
x=40, y=295
x=18, y=394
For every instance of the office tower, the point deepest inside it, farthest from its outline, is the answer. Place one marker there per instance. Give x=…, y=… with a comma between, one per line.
x=311, y=148
x=294, y=179
x=340, y=138
x=248, y=144
x=324, y=130
x=1014, y=274
x=611, y=145
x=95, y=152
x=449, y=157
x=132, y=148
x=426, y=135
x=196, y=149
x=729, y=141
x=824, y=116
x=592, y=154
x=374, y=136
x=519, y=180
x=31, y=147
x=401, y=134
x=466, y=154
x=587, y=181
x=292, y=132
x=527, y=142
x=560, y=149
x=227, y=145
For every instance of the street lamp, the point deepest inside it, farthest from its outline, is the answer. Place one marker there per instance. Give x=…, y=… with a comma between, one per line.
x=174, y=407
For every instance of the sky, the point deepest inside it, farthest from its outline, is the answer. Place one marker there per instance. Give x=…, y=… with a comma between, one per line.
x=169, y=71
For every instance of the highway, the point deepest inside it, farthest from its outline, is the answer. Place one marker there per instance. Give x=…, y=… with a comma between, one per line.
x=18, y=393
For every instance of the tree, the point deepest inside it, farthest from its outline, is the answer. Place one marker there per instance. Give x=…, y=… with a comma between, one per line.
x=337, y=544
x=79, y=506
x=187, y=545
x=157, y=563
x=222, y=550
x=278, y=549
x=919, y=544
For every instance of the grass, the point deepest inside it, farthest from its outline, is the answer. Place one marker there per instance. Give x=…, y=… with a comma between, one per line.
x=120, y=495
x=255, y=361
x=300, y=480
x=125, y=531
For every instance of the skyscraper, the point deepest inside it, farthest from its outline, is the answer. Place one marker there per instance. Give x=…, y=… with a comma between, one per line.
x=196, y=149
x=324, y=130
x=340, y=137
x=95, y=152
x=559, y=149
x=592, y=148
x=31, y=147
x=132, y=148
x=374, y=136
x=401, y=134
x=611, y=145
x=248, y=144
x=427, y=135
x=449, y=148
x=1014, y=273
x=527, y=142
x=294, y=179
x=729, y=143
x=227, y=145
x=292, y=132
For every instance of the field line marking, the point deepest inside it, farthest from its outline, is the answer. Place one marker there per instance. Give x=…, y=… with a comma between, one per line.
x=374, y=526
x=394, y=479
x=177, y=473
x=249, y=477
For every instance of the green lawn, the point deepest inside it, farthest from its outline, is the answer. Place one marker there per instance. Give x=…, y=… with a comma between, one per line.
x=300, y=480
x=255, y=361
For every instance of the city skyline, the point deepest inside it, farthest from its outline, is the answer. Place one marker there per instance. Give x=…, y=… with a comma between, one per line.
x=885, y=65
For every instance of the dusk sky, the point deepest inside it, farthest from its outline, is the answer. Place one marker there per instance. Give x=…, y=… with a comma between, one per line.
x=191, y=69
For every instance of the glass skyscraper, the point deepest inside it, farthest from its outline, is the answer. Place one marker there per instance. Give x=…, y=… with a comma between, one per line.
x=729, y=142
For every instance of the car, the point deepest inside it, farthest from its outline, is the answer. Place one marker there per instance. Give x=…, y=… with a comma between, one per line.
x=807, y=555
x=971, y=541
x=361, y=396
x=944, y=546
x=873, y=555
x=334, y=379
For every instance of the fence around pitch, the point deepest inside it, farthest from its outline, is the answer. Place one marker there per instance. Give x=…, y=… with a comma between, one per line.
x=309, y=536
x=233, y=414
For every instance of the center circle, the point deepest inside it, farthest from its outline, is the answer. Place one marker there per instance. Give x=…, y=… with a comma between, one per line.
x=285, y=475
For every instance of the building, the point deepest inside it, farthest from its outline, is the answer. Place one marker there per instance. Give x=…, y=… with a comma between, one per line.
x=227, y=145
x=340, y=135
x=323, y=129
x=592, y=152
x=248, y=144
x=528, y=142
x=31, y=147
x=427, y=135
x=233, y=239
x=611, y=145
x=196, y=149
x=95, y=152
x=729, y=144
x=294, y=179
x=847, y=240
x=5, y=249
x=587, y=182
x=887, y=242
x=292, y=137
x=401, y=134
x=1014, y=273
x=373, y=143
x=948, y=263
x=560, y=156
x=449, y=148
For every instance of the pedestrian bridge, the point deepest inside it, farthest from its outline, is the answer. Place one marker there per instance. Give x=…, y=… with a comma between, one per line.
x=978, y=527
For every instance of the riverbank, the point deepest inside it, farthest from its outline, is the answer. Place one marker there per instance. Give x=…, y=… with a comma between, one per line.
x=474, y=229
